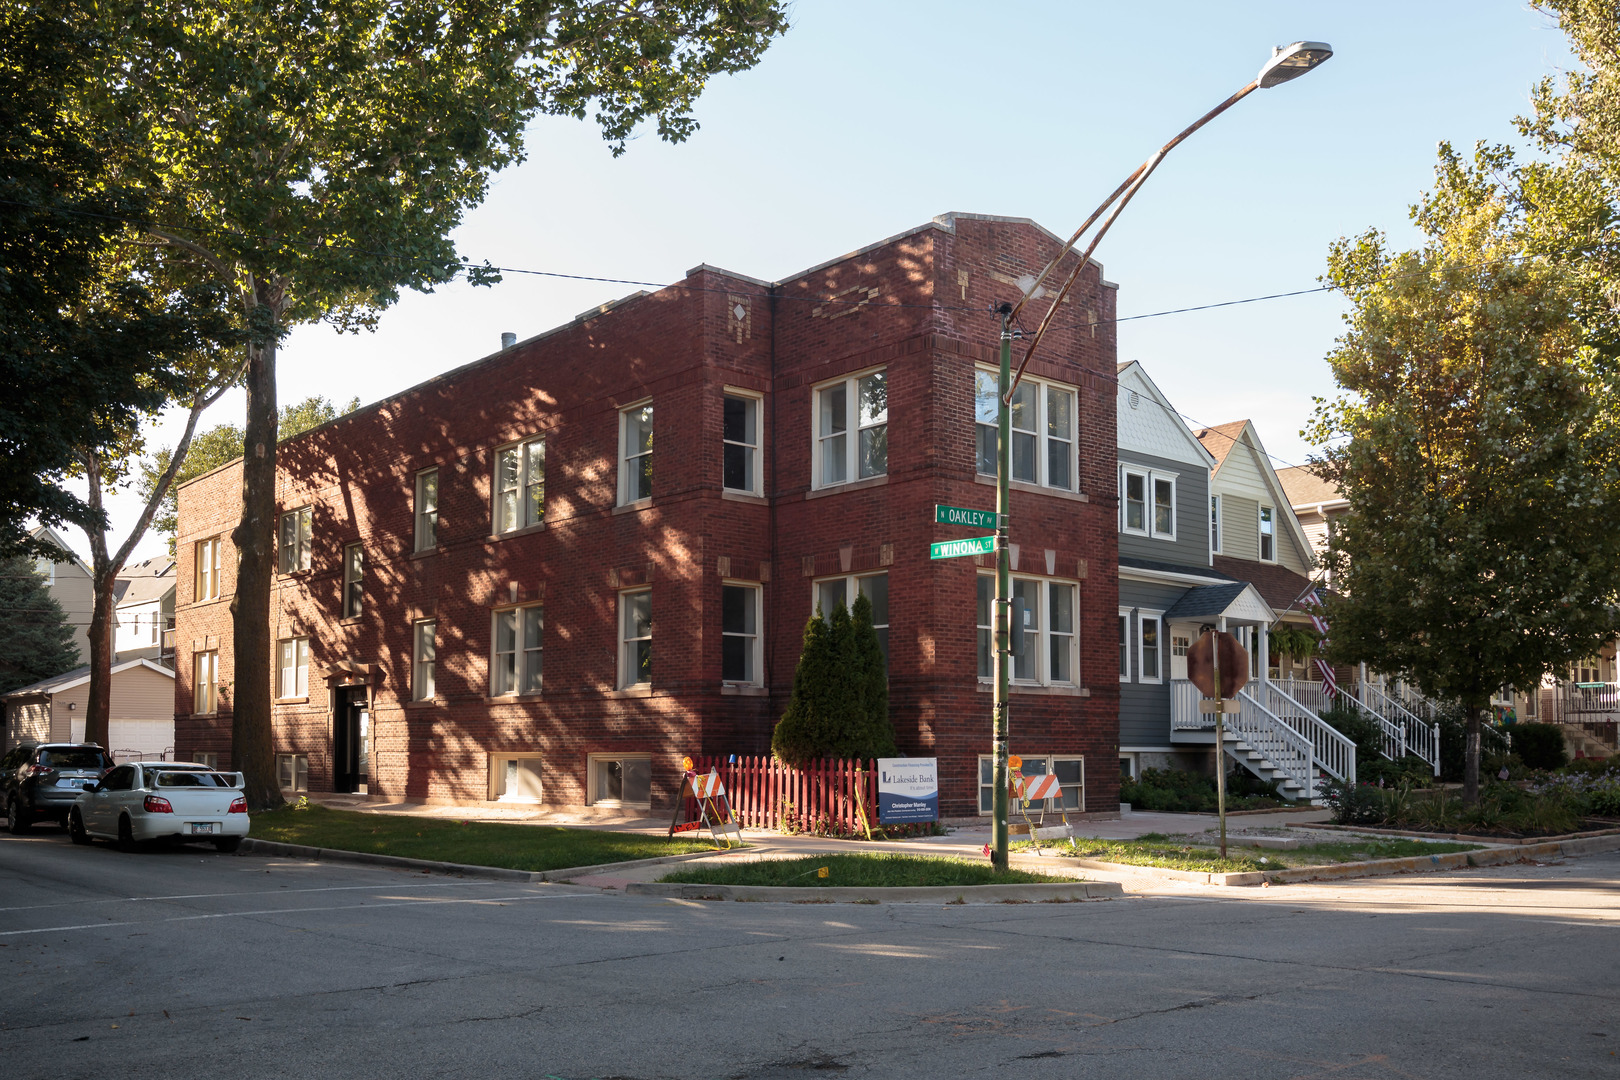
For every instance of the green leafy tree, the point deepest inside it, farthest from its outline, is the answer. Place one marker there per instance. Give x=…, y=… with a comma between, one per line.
x=872, y=673
x=38, y=639
x=839, y=705
x=314, y=157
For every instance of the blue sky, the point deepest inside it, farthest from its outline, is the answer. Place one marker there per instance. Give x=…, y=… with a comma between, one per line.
x=871, y=117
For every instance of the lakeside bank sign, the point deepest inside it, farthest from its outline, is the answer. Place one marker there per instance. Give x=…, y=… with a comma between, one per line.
x=908, y=790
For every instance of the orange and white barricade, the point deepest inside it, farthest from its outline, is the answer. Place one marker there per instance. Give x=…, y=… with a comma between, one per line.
x=714, y=808
x=1036, y=790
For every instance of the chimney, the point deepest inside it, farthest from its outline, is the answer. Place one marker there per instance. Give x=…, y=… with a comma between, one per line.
x=508, y=339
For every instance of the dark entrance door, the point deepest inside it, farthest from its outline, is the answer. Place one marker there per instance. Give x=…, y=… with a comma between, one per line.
x=351, y=736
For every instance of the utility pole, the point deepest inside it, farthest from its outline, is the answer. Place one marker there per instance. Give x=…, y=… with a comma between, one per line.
x=1003, y=585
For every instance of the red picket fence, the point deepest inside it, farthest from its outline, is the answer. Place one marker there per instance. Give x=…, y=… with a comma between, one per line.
x=825, y=797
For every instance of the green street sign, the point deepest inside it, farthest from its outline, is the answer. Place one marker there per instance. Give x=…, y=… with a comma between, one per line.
x=951, y=549
x=958, y=515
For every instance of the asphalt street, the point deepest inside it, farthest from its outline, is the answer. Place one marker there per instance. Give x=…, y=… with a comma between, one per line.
x=175, y=963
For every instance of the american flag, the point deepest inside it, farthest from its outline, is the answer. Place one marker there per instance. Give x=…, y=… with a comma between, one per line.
x=1330, y=685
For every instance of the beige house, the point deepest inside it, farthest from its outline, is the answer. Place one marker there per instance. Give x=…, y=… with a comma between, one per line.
x=143, y=610
x=71, y=583
x=1316, y=503
x=142, y=720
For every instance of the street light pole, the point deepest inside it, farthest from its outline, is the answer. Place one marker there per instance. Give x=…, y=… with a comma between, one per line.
x=1286, y=63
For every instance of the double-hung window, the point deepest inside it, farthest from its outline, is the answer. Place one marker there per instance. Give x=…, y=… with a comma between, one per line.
x=830, y=592
x=739, y=634
x=1268, y=534
x=354, y=580
x=852, y=429
x=1070, y=771
x=516, y=665
x=520, y=485
x=207, y=569
x=1042, y=416
x=740, y=440
x=424, y=660
x=1147, y=502
x=1148, y=658
x=1124, y=644
x=1050, y=653
x=427, y=509
x=293, y=657
x=635, y=638
x=205, y=681
x=295, y=540
x=635, y=453
x=1215, y=524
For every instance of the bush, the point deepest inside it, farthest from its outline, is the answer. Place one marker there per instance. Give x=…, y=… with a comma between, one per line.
x=1354, y=804
x=1592, y=766
x=1177, y=791
x=1359, y=728
x=1540, y=745
x=1410, y=770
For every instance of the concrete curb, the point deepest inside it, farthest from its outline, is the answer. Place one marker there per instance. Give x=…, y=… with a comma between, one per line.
x=493, y=873
x=1044, y=892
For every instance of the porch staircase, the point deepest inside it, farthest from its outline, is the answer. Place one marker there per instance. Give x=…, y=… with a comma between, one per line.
x=1402, y=732
x=1271, y=734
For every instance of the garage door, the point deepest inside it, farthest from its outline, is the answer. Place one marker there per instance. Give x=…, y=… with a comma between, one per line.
x=132, y=739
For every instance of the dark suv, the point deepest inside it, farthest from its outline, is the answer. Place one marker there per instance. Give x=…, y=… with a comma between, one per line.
x=41, y=780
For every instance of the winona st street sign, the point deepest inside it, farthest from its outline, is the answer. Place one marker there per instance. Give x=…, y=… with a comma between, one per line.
x=957, y=515
x=950, y=549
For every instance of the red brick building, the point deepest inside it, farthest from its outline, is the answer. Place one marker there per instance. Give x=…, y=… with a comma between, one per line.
x=497, y=585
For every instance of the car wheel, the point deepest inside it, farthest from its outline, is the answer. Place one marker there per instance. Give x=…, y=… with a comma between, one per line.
x=18, y=820
x=228, y=844
x=126, y=835
x=75, y=828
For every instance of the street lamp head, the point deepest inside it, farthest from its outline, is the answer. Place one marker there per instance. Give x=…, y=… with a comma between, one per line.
x=1292, y=61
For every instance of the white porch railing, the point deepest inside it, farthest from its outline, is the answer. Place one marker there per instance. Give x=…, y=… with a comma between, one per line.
x=1335, y=752
x=1395, y=740
x=1414, y=735
x=1254, y=728
x=1588, y=701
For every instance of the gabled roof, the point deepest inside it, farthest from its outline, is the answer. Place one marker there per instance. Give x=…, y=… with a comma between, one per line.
x=1236, y=599
x=1278, y=585
x=1133, y=381
x=1306, y=488
x=50, y=535
x=77, y=677
x=1220, y=439
x=146, y=582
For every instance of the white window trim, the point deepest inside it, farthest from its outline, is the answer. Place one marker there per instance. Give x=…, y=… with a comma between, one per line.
x=1045, y=805
x=417, y=681
x=624, y=457
x=200, y=707
x=419, y=515
x=759, y=634
x=1130, y=652
x=293, y=761
x=1042, y=636
x=521, y=645
x=624, y=674
x=303, y=542
x=852, y=434
x=591, y=797
x=524, y=450
x=299, y=671
x=1216, y=524
x=205, y=585
x=759, y=439
x=1147, y=501
x=1154, y=477
x=1260, y=532
x=350, y=577
x=1143, y=614
x=1042, y=433
x=497, y=769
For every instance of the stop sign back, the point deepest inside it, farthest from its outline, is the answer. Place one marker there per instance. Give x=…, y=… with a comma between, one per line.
x=1234, y=664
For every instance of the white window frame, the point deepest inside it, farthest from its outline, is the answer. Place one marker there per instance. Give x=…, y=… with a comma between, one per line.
x=354, y=578
x=1043, y=434
x=526, y=654
x=852, y=586
x=1040, y=639
x=1127, y=650
x=756, y=643
x=294, y=555
x=629, y=485
x=209, y=758
x=1125, y=473
x=753, y=451
x=1048, y=765
x=854, y=428
x=629, y=671
x=1261, y=535
x=1157, y=477
x=593, y=796
x=292, y=668
x=1214, y=524
x=206, y=578
x=499, y=792
x=1142, y=617
x=292, y=772
x=205, y=682
x=525, y=514
x=425, y=516
x=424, y=662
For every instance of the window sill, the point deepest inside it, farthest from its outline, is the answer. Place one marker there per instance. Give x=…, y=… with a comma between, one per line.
x=616, y=804
x=539, y=526
x=513, y=699
x=425, y=703
x=350, y=620
x=744, y=690
x=292, y=700
x=634, y=507
x=1033, y=489
x=425, y=552
x=639, y=691
x=743, y=497
x=848, y=485
x=988, y=687
x=301, y=572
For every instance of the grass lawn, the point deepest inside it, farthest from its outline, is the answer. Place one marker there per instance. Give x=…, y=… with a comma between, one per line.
x=515, y=847
x=864, y=870
x=1156, y=849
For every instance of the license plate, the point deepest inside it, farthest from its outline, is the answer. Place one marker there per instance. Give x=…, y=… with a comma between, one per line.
x=72, y=782
x=200, y=827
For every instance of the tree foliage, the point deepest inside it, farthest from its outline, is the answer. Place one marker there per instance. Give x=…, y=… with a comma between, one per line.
x=38, y=639
x=839, y=706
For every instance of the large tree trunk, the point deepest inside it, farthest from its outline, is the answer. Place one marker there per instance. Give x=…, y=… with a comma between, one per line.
x=252, y=748
x=98, y=710
x=1471, y=756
